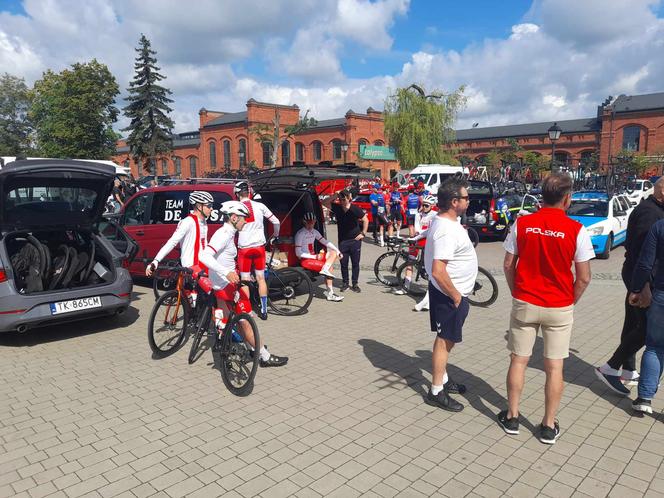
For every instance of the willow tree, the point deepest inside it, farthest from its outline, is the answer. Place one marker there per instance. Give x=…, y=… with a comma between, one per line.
x=419, y=126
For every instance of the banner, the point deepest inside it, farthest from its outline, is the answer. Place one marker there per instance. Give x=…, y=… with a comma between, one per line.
x=377, y=153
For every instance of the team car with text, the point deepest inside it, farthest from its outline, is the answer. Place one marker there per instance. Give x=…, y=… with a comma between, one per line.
x=604, y=218
x=56, y=263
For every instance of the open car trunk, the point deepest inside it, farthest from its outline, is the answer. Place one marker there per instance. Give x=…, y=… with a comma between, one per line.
x=478, y=211
x=50, y=261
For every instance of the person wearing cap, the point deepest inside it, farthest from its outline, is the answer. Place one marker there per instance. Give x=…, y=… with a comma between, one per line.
x=305, y=240
x=378, y=214
x=412, y=208
x=191, y=233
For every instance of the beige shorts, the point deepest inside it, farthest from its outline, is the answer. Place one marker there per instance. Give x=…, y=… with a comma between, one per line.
x=556, y=324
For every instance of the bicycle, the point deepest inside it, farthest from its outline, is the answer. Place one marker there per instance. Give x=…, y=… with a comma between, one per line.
x=163, y=279
x=386, y=265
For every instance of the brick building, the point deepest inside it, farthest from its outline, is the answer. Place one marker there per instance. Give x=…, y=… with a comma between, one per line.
x=224, y=142
x=634, y=123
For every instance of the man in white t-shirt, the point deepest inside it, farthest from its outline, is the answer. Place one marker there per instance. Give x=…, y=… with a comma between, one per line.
x=451, y=263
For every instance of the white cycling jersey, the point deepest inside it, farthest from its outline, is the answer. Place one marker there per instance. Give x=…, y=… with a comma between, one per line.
x=185, y=235
x=253, y=233
x=219, y=255
x=423, y=220
x=304, y=243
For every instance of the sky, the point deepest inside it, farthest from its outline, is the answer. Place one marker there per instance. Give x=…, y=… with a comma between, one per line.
x=518, y=60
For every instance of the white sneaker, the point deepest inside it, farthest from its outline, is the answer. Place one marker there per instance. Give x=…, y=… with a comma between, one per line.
x=420, y=308
x=630, y=378
x=399, y=292
x=327, y=273
x=331, y=296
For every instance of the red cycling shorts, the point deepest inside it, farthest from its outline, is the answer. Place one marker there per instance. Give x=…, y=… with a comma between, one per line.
x=413, y=251
x=249, y=257
x=227, y=294
x=312, y=264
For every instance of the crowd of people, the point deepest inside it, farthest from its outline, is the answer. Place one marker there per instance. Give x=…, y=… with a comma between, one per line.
x=546, y=266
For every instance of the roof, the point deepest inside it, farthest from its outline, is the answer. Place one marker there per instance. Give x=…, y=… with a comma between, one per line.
x=584, y=125
x=231, y=117
x=186, y=139
x=630, y=103
x=272, y=104
x=329, y=123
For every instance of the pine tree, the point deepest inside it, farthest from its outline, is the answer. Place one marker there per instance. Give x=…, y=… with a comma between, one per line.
x=151, y=127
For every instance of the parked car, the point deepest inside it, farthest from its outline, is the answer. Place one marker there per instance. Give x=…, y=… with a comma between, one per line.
x=55, y=264
x=642, y=190
x=151, y=215
x=432, y=175
x=605, y=219
x=491, y=214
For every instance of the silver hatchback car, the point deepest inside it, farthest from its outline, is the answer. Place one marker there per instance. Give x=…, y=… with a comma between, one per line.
x=59, y=259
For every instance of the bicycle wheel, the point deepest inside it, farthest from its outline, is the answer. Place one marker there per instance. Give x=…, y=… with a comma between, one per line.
x=167, y=327
x=419, y=282
x=290, y=291
x=161, y=285
x=473, y=236
x=238, y=361
x=202, y=326
x=385, y=268
x=485, y=291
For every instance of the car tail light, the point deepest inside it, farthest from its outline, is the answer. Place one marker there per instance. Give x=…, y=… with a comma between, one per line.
x=3, y=275
x=492, y=210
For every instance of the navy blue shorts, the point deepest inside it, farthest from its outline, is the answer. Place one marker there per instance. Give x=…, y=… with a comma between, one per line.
x=446, y=319
x=410, y=219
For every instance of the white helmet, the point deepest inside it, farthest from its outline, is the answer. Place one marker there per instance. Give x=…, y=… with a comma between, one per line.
x=241, y=186
x=200, y=196
x=429, y=199
x=234, y=207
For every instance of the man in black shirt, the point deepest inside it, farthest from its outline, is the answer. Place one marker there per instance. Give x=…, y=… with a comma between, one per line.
x=352, y=226
x=621, y=367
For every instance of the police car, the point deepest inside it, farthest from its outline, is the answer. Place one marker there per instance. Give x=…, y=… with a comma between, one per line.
x=604, y=217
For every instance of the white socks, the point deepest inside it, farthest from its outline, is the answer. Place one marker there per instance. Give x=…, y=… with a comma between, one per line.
x=265, y=354
x=607, y=370
x=436, y=389
x=326, y=267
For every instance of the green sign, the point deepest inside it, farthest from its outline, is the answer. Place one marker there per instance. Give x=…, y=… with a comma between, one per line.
x=377, y=153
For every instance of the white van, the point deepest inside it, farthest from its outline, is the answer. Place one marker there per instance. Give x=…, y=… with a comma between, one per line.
x=432, y=175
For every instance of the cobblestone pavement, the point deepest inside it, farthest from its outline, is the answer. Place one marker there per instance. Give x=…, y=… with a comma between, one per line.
x=86, y=411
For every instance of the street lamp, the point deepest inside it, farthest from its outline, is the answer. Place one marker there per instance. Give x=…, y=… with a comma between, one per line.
x=554, y=135
x=344, y=147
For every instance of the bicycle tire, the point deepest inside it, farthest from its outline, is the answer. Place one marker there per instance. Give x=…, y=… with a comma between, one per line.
x=290, y=291
x=173, y=341
x=202, y=326
x=483, y=279
x=387, y=274
x=417, y=288
x=473, y=236
x=239, y=380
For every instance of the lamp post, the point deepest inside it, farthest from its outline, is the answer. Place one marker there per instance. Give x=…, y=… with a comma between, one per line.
x=554, y=135
x=344, y=147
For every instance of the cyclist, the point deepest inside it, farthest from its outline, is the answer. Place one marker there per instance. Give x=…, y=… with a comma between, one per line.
x=396, y=211
x=378, y=213
x=412, y=208
x=219, y=256
x=320, y=263
x=191, y=233
x=423, y=220
x=251, y=241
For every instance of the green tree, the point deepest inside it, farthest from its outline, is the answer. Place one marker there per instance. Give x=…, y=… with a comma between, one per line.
x=419, y=125
x=536, y=162
x=510, y=155
x=73, y=112
x=492, y=161
x=270, y=134
x=151, y=128
x=634, y=162
x=15, y=127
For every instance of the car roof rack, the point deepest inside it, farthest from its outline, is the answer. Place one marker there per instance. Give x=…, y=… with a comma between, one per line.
x=203, y=181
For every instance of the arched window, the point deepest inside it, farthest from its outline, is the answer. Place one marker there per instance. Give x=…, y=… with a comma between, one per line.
x=360, y=143
x=631, y=138
x=267, y=153
x=152, y=167
x=299, y=152
x=242, y=151
x=285, y=153
x=336, y=149
x=126, y=163
x=379, y=143
x=318, y=150
x=192, y=167
x=164, y=167
x=178, y=166
x=227, y=154
x=561, y=158
x=213, y=155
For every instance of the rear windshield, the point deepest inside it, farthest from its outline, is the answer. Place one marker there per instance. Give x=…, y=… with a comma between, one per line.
x=598, y=209
x=27, y=200
x=479, y=188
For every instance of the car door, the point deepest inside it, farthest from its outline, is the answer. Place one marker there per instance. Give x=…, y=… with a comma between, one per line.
x=120, y=239
x=618, y=217
x=132, y=220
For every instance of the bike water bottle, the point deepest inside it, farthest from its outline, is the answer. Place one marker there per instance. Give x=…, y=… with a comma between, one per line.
x=235, y=335
x=219, y=321
x=192, y=298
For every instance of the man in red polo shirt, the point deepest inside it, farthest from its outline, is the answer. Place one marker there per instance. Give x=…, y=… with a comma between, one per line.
x=540, y=251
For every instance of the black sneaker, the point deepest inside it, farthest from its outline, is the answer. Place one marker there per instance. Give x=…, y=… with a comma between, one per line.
x=548, y=435
x=454, y=388
x=343, y=287
x=509, y=425
x=262, y=314
x=613, y=381
x=273, y=361
x=356, y=288
x=642, y=405
x=444, y=401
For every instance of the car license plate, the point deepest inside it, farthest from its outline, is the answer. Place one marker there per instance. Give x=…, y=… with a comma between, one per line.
x=85, y=303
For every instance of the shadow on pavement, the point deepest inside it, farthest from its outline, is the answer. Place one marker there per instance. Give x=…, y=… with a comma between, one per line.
x=68, y=330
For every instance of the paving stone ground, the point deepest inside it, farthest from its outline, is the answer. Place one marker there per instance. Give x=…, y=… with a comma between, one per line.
x=86, y=411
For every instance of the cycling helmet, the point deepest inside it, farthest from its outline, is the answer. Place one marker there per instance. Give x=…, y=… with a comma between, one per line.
x=429, y=199
x=234, y=207
x=242, y=186
x=309, y=216
x=200, y=196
